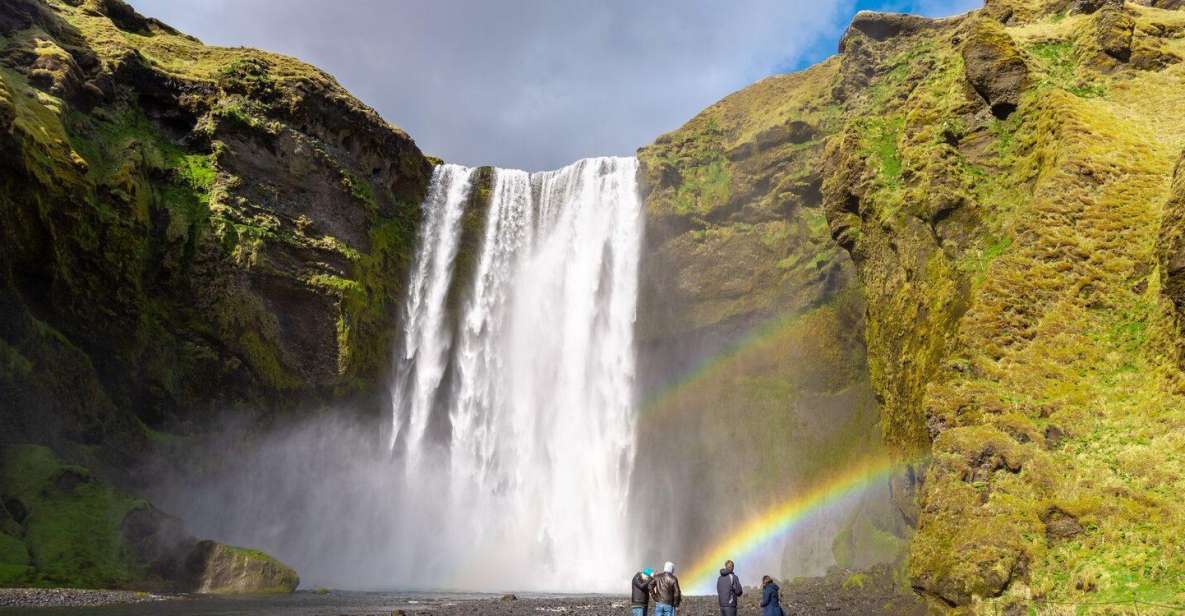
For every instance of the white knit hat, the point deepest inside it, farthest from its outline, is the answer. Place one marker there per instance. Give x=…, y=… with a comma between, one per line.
x=669, y=567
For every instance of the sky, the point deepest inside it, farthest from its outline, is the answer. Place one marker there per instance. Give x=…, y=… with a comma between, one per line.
x=536, y=84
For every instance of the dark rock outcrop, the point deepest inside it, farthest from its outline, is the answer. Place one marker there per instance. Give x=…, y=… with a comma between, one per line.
x=1089, y=7
x=994, y=66
x=1113, y=30
x=189, y=234
x=880, y=26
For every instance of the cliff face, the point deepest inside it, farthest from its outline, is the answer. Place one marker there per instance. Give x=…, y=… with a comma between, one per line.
x=1000, y=184
x=188, y=233
x=751, y=329
x=187, y=229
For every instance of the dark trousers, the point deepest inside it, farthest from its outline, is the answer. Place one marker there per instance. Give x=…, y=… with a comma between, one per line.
x=728, y=611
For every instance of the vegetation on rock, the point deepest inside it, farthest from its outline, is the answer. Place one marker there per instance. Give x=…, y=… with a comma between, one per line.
x=1003, y=184
x=1017, y=329
x=750, y=323
x=195, y=228
x=188, y=231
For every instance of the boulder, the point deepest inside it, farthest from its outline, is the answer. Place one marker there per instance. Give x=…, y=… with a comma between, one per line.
x=994, y=66
x=219, y=568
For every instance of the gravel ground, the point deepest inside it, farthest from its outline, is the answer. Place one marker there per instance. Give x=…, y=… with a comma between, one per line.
x=71, y=597
x=872, y=593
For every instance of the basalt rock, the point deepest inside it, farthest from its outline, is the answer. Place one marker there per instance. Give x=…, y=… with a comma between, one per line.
x=994, y=66
x=883, y=26
x=81, y=531
x=1113, y=30
x=737, y=249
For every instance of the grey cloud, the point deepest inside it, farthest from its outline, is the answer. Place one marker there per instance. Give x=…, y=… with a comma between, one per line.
x=526, y=83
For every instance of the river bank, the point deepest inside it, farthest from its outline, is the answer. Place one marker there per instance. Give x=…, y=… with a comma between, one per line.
x=837, y=593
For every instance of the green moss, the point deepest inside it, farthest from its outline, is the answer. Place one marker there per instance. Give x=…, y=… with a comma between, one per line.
x=368, y=302
x=14, y=561
x=705, y=188
x=883, y=135
x=359, y=189
x=72, y=531
x=235, y=565
x=1059, y=61
x=1024, y=313
x=855, y=581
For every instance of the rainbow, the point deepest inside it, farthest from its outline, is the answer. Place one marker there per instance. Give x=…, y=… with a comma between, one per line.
x=664, y=401
x=781, y=518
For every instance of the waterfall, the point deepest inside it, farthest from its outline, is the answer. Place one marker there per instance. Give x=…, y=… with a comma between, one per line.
x=513, y=411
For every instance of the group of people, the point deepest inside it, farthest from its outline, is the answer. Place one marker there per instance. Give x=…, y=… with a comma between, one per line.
x=664, y=590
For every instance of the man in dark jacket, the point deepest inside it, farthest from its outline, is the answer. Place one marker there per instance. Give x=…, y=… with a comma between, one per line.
x=728, y=590
x=666, y=592
x=640, y=591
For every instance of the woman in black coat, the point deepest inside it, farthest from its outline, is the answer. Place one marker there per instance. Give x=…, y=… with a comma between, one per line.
x=771, y=604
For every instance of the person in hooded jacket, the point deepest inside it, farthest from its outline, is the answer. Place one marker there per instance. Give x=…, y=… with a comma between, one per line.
x=640, y=591
x=728, y=590
x=771, y=603
x=666, y=592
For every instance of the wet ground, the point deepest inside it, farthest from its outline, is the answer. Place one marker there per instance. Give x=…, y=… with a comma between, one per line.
x=839, y=593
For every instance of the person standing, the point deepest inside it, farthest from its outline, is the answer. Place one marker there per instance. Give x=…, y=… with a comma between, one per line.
x=771, y=603
x=640, y=591
x=666, y=592
x=728, y=590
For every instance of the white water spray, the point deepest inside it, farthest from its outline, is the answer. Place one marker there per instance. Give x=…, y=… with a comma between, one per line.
x=527, y=486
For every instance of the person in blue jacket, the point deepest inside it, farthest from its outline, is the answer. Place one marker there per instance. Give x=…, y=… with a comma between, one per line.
x=771, y=604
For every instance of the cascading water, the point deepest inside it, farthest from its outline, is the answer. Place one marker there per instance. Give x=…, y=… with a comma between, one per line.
x=514, y=414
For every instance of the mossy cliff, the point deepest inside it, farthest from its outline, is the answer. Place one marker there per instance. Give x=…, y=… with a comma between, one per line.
x=189, y=233
x=754, y=377
x=188, y=229
x=60, y=525
x=1003, y=184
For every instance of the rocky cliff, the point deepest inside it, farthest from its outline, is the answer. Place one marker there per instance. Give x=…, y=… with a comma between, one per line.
x=187, y=229
x=1003, y=184
x=188, y=232
x=750, y=328
x=1002, y=200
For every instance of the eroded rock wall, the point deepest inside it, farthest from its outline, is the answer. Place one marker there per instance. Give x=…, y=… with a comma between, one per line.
x=1000, y=183
x=189, y=231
